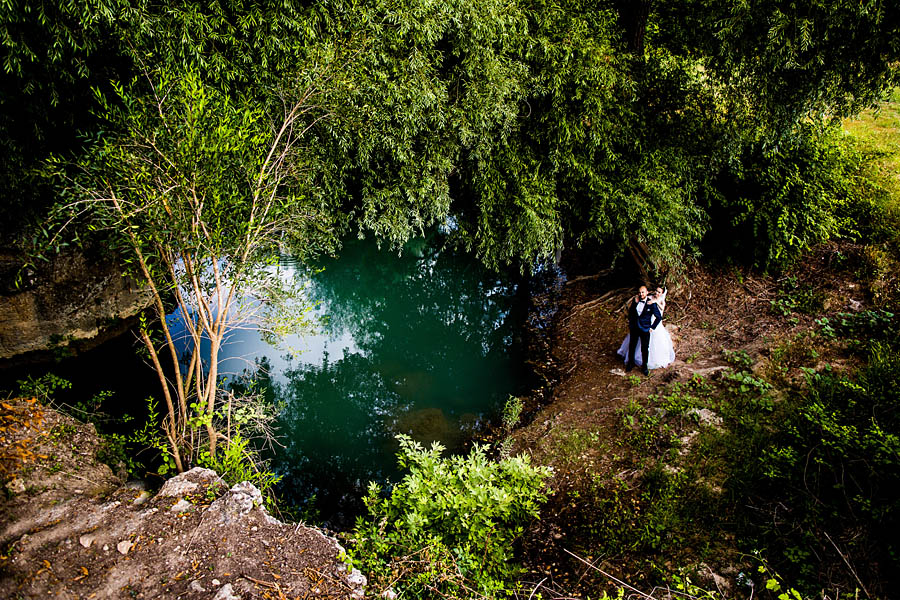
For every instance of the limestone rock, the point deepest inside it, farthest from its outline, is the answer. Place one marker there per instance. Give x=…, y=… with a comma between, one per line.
x=236, y=503
x=226, y=593
x=706, y=416
x=147, y=547
x=188, y=482
x=181, y=506
x=65, y=300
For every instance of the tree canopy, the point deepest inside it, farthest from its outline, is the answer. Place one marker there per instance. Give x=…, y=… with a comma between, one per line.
x=531, y=124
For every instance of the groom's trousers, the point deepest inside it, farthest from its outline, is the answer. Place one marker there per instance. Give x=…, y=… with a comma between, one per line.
x=644, y=336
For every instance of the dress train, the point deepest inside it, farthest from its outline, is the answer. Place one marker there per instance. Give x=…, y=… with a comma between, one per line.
x=661, y=349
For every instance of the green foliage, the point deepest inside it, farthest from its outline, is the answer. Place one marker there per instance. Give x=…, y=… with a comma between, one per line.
x=118, y=448
x=652, y=517
x=776, y=201
x=862, y=328
x=880, y=272
x=843, y=443
x=797, y=351
x=738, y=359
x=569, y=447
x=43, y=388
x=645, y=433
x=448, y=527
x=239, y=461
x=817, y=467
x=512, y=412
x=748, y=391
x=532, y=124
x=127, y=448
x=680, y=399
x=793, y=61
x=795, y=297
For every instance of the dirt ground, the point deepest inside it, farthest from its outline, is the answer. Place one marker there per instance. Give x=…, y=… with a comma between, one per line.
x=572, y=425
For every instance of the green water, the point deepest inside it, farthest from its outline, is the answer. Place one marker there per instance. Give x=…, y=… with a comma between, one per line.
x=424, y=344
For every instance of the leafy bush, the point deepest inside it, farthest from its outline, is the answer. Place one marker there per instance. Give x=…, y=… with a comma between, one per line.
x=794, y=297
x=779, y=200
x=738, y=358
x=512, y=412
x=862, y=328
x=447, y=529
x=246, y=416
x=644, y=432
x=840, y=455
x=238, y=462
x=795, y=351
x=749, y=391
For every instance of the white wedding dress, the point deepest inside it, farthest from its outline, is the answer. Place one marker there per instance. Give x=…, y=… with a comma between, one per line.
x=661, y=350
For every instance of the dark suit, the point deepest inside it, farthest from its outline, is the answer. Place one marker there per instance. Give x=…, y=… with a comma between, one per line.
x=639, y=326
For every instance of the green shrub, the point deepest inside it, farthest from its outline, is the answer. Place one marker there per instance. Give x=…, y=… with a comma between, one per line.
x=862, y=328
x=749, y=391
x=512, y=412
x=447, y=529
x=795, y=297
x=239, y=461
x=644, y=433
x=779, y=200
x=738, y=358
x=796, y=351
x=833, y=464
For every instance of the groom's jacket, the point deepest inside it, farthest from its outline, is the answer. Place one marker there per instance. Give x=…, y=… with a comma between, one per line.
x=643, y=321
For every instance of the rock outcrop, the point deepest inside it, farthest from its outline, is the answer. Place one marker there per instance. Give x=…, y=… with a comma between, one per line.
x=79, y=533
x=75, y=297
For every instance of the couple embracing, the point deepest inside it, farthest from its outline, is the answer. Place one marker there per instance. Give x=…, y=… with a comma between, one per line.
x=645, y=314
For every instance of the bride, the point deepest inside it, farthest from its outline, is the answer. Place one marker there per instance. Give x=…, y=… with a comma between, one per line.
x=661, y=350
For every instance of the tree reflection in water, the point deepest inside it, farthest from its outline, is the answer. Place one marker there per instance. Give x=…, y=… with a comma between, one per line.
x=433, y=352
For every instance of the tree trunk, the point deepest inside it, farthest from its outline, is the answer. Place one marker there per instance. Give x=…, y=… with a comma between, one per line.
x=211, y=387
x=633, y=16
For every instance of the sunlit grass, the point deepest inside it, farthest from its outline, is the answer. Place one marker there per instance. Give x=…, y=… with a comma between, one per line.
x=879, y=131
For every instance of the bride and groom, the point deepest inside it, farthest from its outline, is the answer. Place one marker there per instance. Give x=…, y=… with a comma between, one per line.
x=645, y=314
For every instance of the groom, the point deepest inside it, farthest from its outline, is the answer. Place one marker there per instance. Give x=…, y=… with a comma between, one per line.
x=640, y=323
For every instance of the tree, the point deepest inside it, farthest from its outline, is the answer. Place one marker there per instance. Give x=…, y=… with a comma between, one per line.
x=532, y=123
x=200, y=193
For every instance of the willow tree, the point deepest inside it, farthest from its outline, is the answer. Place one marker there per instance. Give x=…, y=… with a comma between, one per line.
x=199, y=192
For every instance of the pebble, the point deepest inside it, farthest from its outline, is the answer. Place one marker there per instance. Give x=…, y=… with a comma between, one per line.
x=16, y=486
x=226, y=593
x=86, y=540
x=124, y=546
x=181, y=506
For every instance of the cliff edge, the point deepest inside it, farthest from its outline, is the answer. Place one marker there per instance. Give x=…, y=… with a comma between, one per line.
x=72, y=529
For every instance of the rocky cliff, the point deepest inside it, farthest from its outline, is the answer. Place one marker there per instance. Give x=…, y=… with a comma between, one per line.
x=71, y=529
x=75, y=297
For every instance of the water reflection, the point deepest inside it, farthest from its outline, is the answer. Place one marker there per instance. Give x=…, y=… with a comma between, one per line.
x=421, y=343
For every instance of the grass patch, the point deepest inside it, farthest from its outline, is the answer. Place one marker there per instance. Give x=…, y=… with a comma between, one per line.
x=878, y=130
